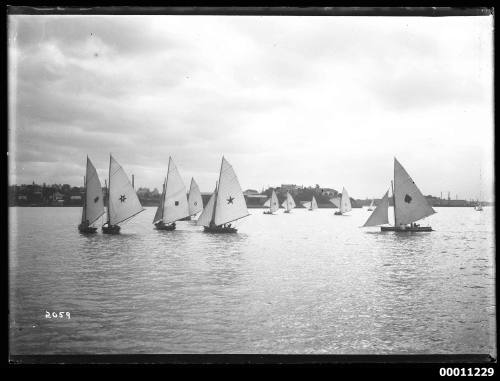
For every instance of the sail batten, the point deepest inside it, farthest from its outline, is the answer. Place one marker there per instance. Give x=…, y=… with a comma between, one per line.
x=380, y=215
x=123, y=202
x=410, y=203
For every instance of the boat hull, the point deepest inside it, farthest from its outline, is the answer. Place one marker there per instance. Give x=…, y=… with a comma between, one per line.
x=338, y=213
x=219, y=229
x=162, y=226
x=86, y=229
x=188, y=218
x=408, y=229
x=267, y=212
x=286, y=211
x=111, y=229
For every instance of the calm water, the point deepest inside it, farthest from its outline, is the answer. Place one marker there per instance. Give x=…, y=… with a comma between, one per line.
x=305, y=282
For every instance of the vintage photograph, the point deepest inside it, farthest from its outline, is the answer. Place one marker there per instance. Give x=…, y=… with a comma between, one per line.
x=250, y=184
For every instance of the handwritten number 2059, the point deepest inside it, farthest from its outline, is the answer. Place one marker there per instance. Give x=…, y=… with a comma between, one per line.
x=57, y=315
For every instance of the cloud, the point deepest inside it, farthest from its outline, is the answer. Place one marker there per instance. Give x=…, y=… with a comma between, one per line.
x=326, y=100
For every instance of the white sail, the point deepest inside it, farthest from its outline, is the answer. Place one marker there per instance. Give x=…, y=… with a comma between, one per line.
x=94, y=204
x=345, y=202
x=123, y=201
x=288, y=204
x=175, y=205
x=306, y=204
x=231, y=203
x=380, y=215
x=335, y=201
x=208, y=212
x=159, y=211
x=314, y=204
x=194, y=199
x=267, y=204
x=274, y=205
x=410, y=204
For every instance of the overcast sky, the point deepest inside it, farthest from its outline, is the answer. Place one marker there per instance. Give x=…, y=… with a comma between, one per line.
x=304, y=100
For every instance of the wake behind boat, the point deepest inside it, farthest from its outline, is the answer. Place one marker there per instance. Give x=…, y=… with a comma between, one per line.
x=409, y=205
x=123, y=203
x=93, y=205
x=227, y=203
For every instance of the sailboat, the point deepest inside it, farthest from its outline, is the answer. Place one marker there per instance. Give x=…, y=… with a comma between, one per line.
x=478, y=206
x=409, y=205
x=335, y=201
x=173, y=202
x=311, y=205
x=93, y=205
x=123, y=203
x=272, y=203
x=345, y=203
x=194, y=199
x=289, y=203
x=227, y=203
x=372, y=206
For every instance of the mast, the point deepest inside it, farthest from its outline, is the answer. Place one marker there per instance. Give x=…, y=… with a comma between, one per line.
x=163, y=196
x=394, y=202
x=217, y=192
x=107, y=190
x=85, y=196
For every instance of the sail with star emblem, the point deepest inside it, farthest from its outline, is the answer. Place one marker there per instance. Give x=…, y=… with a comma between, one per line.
x=345, y=202
x=410, y=204
x=123, y=202
x=175, y=204
x=194, y=198
x=230, y=202
x=208, y=212
x=94, y=205
x=380, y=215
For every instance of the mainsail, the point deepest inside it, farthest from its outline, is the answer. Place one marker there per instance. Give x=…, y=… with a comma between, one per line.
x=345, y=202
x=274, y=204
x=288, y=204
x=123, y=202
x=208, y=212
x=159, y=211
x=94, y=205
x=380, y=214
x=194, y=199
x=314, y=204
x=409, y=203
x=175, y=205
x=230, y=202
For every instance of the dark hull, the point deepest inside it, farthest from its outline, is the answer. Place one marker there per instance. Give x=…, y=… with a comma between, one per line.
x=267, y=212
x=188, y=218
x=219, y=229
x=162, y=226
x=338, y=213
x=287, y=211
x=86, y=229
x=112, y=229
x=408, y=229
